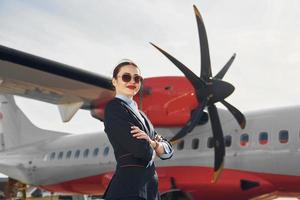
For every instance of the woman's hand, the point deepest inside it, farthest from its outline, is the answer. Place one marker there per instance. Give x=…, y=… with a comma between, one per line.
x=139, y=134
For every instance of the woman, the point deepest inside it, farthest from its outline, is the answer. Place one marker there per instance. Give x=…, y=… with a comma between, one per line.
x=133, y=138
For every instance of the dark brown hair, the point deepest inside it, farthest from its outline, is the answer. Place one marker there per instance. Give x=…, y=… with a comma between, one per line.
x=120, y=65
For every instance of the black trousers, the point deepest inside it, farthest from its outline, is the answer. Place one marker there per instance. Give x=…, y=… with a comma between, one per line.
x=128, y=198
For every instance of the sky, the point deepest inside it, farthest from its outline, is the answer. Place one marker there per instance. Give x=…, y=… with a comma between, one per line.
x=94, y=35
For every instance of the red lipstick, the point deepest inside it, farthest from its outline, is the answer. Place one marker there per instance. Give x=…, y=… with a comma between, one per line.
x=132, y=87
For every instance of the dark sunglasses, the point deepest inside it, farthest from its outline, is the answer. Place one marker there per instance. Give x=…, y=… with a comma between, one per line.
x=127, y=78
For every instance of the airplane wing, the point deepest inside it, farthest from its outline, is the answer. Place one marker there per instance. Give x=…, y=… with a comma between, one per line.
x=38, y=78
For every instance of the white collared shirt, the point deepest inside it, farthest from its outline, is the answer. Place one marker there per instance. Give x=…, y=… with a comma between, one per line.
x=132, y=104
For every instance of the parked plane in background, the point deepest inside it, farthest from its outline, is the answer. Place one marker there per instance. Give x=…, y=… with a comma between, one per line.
x=262, y=158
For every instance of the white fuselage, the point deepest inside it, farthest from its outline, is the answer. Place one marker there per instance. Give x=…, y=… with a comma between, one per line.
x=36, y=163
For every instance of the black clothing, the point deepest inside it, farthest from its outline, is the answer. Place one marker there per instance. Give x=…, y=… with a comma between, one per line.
x=128, y=198
x=133, y=177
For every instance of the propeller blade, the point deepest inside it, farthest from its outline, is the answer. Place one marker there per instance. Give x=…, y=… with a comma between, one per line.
x=209, y=90
x=197, y=82
x=190, y=125
x=204, y=50
x=240, y=118
x=223, y=71
x=219, y=145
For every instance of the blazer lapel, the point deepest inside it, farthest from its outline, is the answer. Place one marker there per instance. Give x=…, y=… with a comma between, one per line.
x=148, y=124
x=136, y=117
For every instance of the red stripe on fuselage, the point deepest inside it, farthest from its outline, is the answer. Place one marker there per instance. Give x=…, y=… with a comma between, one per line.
x=88, y=185
x=197, y=181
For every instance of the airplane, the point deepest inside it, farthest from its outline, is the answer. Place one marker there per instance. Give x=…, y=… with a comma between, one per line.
x=254, y=161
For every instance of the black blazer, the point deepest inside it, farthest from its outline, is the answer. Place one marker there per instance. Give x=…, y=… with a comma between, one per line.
x=132, y=177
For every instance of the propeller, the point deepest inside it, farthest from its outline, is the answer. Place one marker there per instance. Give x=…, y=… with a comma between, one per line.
x=209, y=90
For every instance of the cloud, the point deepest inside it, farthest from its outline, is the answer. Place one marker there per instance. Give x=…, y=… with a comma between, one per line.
x=96, y=34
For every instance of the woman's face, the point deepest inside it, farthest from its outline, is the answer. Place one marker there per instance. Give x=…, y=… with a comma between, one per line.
x=130, y=88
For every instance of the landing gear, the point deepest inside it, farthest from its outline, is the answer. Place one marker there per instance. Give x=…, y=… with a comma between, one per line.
x=175, y=194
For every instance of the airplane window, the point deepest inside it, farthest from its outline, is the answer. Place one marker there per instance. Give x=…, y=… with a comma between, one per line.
x=106, y=151
x=210, y=143
x=244, y=139
x=45, y=157
x=77, y=154
x=283, y=136
x=69, y=153
x=60, y=155
x=96, y=152
x=180, y=145
x=227, y=140
x=263, y=138
x=195, y=143
x=86, y=153
x=52, y=156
